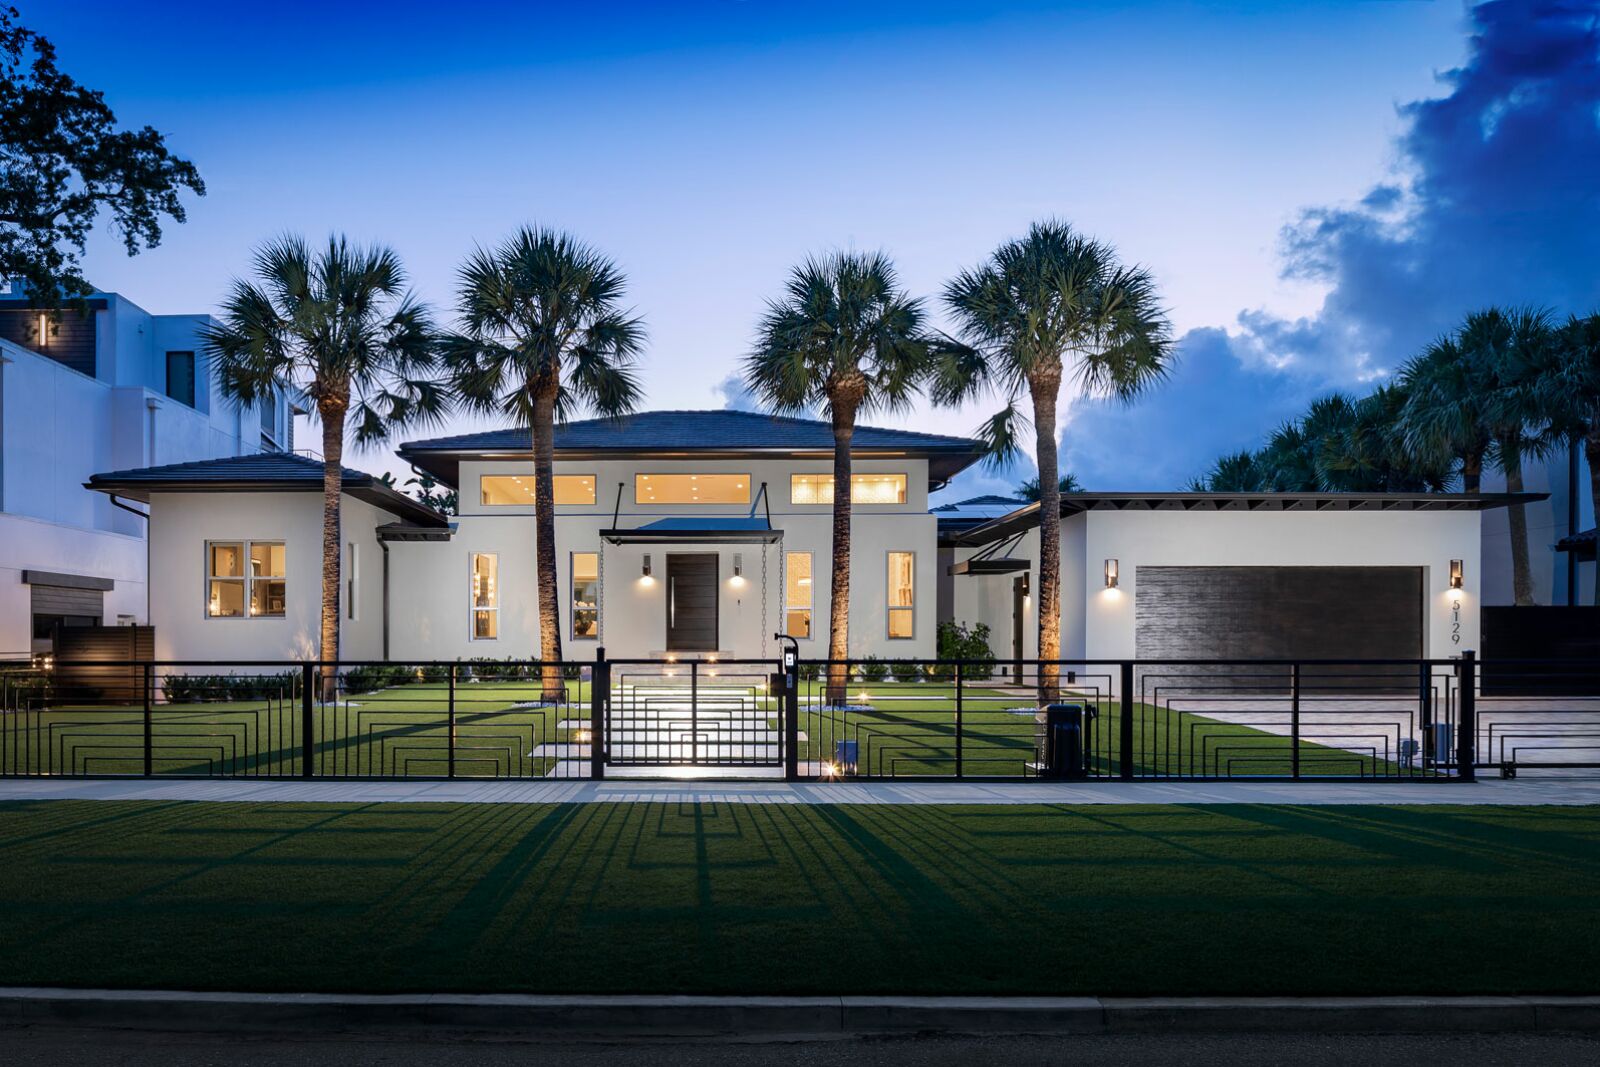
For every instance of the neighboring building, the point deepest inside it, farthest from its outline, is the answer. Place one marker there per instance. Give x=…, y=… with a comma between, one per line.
x=1238, y=576
x=96, y=388
x=694, y=533
x=1560, y=576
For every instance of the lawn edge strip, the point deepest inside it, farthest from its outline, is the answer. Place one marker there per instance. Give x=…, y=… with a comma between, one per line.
x=776, y=1016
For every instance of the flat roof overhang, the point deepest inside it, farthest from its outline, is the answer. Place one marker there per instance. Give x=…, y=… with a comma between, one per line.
x=645, y=536
x=1026, y=518
x=404, y=531
x=996, y=565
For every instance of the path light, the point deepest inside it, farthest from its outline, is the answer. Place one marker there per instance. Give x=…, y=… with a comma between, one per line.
x=1111, y=574
x=1455, y=574
x=830, y=769
x=866, y=697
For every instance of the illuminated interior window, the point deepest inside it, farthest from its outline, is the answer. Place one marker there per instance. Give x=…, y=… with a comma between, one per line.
x=864, y=489
x=902, y=594
x=516, y=490
x=797, y=597
x=585, y=596
x=485, y=593
x=246, y=577
x=691, y=488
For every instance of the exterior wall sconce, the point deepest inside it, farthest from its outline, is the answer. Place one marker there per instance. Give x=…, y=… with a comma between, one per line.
x=644, y=572
x=1455, y=574
x=738, y=568
x=1027, y=583
x=1111, y=574
x=44, y=330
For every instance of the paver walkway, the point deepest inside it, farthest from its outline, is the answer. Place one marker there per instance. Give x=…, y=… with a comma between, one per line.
x=1526, y=790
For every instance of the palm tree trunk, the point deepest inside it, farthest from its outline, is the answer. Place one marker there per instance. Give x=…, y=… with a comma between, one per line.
x=544, y=522
x=1472, y=471
x=1517, y=516
x=844, y=425
x=332, y=413
x=1045, y=391
x=1591, y=451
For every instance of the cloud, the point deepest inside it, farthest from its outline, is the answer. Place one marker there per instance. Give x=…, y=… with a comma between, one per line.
x=1495, y=200
x=1215, y=402
x=735, y=395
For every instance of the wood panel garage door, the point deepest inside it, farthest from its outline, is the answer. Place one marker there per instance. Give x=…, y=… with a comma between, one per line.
x=1278, y=612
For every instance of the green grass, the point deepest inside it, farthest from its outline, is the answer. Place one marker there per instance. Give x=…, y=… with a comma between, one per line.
x=910, y=730
x=403, y=730
x=795, y=899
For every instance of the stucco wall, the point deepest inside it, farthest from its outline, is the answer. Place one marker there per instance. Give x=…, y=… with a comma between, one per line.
x=1099, y=624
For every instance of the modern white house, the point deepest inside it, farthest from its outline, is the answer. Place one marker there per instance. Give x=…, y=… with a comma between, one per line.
x=1236, y=576
x=693, y=533
x=83, y=389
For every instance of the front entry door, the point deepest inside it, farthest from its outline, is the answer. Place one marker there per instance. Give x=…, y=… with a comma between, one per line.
x=692, y=602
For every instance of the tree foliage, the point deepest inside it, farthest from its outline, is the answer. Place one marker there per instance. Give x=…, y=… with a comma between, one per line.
x=63, y=161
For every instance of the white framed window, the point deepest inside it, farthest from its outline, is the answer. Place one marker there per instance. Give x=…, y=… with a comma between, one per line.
x=864, y=489
x=246, y=578
x=352, y=580
x=798, y=593
x=585, y=573
x=516, y=490
x=902, y=595
x=485, y=596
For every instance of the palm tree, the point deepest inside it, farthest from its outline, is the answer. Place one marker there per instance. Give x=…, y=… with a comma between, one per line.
x=1444, y=418
x=1567, y=390
x=844, y=339
x=1068, y=483
x=543, y=336
x=1051, y=305
x=337, y=325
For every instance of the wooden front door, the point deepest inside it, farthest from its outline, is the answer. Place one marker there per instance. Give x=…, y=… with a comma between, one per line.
x=691, y=602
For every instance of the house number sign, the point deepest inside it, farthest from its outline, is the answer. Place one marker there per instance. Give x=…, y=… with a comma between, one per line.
x=1455, y=620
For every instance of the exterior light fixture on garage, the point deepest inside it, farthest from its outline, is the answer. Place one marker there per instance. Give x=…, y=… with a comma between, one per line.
x=1111, y=574
x=1455, y=574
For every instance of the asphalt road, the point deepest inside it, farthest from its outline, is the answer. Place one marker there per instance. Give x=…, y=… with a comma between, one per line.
x=113, y=1048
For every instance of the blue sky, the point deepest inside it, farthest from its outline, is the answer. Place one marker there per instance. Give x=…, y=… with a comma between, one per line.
x=1314, y=189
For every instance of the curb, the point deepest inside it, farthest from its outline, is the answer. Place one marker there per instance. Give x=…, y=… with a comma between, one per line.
x=686, y=1016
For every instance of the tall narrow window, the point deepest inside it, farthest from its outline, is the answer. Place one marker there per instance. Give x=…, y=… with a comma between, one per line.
x=245, y=577
x=902, y=594
x=352, y=577
x=585, y=596
x=180, y=377
x=797, y=595
x=485, y=596
x=269, y=422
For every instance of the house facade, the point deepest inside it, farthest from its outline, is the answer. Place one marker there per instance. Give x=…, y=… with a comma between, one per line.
x=690, y=534
x=93, y=388
x=1236, y=576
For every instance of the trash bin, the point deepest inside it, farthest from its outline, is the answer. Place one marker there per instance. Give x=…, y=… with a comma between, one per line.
x=1444, y=736
x=1066, y=740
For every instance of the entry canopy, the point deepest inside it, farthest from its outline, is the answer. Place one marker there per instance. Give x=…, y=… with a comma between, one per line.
x=698, y=530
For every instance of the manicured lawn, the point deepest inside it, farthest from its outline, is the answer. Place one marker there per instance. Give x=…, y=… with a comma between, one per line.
x=708, y=898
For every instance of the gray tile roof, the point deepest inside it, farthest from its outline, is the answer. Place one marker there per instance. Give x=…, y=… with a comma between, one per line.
x=677, y=430
x=264, y=471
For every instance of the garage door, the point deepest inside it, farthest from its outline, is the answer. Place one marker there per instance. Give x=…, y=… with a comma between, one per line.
x=1278, y=612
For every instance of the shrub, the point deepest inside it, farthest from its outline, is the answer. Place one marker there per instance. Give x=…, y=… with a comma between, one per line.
x=810, y=672
x=366, y=679
x=872, y=669
x=907, y=672
x=959, y=641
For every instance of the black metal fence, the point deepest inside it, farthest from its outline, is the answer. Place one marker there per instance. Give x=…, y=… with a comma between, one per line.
x=856, y=719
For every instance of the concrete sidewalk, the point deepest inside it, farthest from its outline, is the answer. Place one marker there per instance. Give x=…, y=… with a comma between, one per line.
x=1520, y=791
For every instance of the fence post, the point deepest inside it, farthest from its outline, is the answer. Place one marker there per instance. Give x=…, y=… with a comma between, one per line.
x=1467, y=728
x=1125, y=745
x=149, y=726
x=694, y=711
x=307, y=718
x=1294, y=720
x=791, y=716
x=960, y=769
x=450, y=771
x=599, y=698
x=1425, y=716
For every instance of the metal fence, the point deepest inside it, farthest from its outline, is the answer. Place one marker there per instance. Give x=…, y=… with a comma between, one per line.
x=856, y=719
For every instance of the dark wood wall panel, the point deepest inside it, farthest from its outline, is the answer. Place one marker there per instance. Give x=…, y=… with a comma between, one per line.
x=71, y=339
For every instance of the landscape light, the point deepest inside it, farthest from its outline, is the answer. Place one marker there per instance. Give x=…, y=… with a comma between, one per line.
x=1111, y=574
